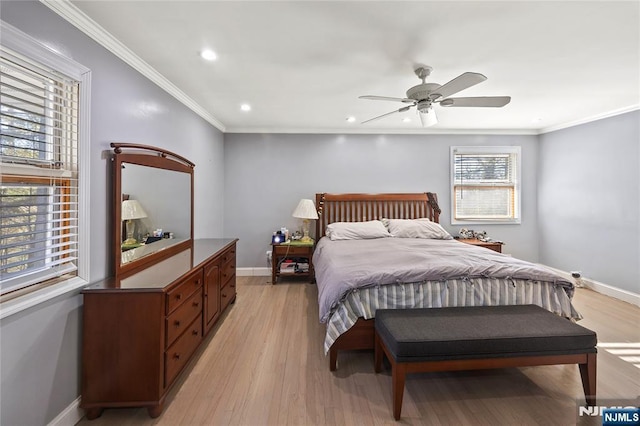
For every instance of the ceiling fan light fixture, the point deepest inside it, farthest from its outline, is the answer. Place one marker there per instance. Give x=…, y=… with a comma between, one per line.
x=428, y=117
x=423, y=96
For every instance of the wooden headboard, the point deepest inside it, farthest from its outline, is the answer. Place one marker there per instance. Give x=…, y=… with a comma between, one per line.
x=363, y=207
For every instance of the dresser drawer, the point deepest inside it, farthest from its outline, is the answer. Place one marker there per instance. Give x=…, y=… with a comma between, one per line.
x=180, y=293
x=228, y=270
x=227, y=293
x=229, y=255
x=180, y=352
x=178, y=321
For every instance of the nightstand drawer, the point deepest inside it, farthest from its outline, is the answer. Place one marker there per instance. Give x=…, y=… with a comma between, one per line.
x=291, y=250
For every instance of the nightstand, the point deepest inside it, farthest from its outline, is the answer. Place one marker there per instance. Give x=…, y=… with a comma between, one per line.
x=491, y=245
x=291, y=259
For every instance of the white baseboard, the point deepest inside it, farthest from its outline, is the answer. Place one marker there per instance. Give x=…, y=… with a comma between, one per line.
x=607, y=290
x=253, y=272
x=616, y=293
x=69, y=416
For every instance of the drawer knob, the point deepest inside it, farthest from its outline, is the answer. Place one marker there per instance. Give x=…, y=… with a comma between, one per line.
x=179, y=296
x=224, y=295
x=194, y=332
x=177, y=323
x=176, y=355
x=232, y=285
x=196, y=304
x=198, y=281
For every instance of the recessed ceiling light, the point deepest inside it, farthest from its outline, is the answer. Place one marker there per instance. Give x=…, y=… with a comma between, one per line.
x=406, y=120
x=536, y=119
x=209, y=55
x=245, y=107
x=351, y=119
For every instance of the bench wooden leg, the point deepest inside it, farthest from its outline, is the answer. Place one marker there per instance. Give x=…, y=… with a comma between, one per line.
x=333, y=359
x=588, y=375
x=378, y=354
x=398, y=373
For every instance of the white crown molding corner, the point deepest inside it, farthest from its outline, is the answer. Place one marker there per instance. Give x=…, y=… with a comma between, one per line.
x=596, y=117
x=66, y=10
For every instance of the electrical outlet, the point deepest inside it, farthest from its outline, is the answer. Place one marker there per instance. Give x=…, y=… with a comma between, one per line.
x=268, y=255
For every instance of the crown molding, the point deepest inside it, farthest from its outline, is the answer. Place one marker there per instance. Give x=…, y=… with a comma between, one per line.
x=586, y=120
x=417, y=131
x=69, y=12
x=66, y=10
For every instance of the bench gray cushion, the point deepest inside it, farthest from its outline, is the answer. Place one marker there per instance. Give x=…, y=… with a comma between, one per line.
x=479, y=332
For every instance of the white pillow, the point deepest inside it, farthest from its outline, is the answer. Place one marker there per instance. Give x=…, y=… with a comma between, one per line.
x=356, y=230
x=417, y=228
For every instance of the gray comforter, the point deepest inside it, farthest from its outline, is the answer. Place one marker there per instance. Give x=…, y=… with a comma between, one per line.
x=341, y=266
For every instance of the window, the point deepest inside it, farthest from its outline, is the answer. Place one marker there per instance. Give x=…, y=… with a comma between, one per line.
x=485, y=183
x=42, y=203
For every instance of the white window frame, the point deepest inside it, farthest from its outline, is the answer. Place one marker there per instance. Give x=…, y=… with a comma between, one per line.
x=27, y=46
x=516, y=150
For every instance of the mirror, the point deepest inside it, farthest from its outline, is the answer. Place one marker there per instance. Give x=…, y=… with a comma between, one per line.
x=153, y=205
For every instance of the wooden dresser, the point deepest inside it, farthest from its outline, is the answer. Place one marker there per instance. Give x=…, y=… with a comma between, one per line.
x=140, y=331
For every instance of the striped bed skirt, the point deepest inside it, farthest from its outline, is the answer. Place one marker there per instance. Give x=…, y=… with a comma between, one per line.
x=363, y=302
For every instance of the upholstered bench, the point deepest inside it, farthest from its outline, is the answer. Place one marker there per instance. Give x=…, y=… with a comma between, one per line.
x=480, y=337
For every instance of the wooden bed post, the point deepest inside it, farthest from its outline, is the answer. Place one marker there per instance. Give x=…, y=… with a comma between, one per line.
x=319, y=208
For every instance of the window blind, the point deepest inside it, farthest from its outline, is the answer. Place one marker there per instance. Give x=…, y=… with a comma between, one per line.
x=39, y=160
x=485, y=185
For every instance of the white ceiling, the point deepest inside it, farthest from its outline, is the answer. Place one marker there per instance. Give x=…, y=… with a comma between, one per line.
x=302, y=64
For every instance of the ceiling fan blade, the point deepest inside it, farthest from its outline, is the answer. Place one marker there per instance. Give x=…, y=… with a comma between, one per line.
x=461, y=82
x=428, y=118
x=403, y=109
x=481, y=101
x=386, y=98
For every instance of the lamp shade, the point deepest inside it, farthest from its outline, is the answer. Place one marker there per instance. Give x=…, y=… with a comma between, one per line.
x=305, y=210
x=131, y=209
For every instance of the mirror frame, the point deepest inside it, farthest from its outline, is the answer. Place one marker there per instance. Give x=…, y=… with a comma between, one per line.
x=150, y=156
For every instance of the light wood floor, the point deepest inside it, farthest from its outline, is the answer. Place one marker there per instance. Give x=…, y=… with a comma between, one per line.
x=264, y=365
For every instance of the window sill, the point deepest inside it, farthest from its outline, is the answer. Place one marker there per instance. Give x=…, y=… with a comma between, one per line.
x=486, y=222
x=19, y=304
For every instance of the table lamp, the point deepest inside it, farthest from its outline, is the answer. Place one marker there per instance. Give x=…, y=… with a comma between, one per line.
x=131, y=210
x=306, y=211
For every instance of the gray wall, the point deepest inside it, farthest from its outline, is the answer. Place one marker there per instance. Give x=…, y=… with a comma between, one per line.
x=40, y=347
x=589, y=200
x=267, y=174
x=587, y=227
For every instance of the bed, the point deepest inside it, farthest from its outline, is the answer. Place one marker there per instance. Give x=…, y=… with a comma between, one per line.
x=356, y=276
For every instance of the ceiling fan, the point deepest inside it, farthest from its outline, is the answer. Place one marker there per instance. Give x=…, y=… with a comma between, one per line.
x=425, y=95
